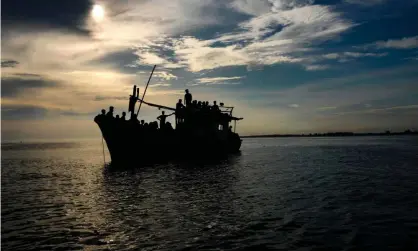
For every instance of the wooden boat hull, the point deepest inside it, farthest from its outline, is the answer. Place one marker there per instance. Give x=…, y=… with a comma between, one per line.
x=128, y=143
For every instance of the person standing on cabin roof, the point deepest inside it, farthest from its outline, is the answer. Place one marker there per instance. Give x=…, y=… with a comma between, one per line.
x=187, y=98
x=123, y=118
x=215, y=114
x=215, y=107
x=179, y=112
x=162, y=119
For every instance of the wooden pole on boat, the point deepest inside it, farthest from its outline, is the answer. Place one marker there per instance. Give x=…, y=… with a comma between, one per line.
x=146, y=87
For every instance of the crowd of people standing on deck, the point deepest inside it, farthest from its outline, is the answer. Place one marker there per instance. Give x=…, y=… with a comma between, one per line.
x=199, y=114
x=153, y=125
x=191, y=114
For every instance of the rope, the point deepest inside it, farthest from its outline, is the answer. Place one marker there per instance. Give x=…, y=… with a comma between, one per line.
x=104, y=158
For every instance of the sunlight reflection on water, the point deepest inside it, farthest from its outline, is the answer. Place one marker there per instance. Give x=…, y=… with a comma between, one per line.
x=278, y=193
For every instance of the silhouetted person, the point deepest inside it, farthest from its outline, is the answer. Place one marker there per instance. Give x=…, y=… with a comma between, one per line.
x=179, y=112
x=142, y=122
x=134, y=118
x=110, y=112
x=187, y=98
x=154, y=125
x=215, y=107
x=100, y=117
x=204, y=113
x=162, y=119
x=117, y=117
x=168, y=126
x=123, y=118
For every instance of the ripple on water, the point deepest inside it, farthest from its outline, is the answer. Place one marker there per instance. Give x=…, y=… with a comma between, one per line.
x=279, y=194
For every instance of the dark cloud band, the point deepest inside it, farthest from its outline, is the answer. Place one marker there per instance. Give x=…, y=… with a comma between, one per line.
x=50, y=13
x=9, y=63
x=12, y=86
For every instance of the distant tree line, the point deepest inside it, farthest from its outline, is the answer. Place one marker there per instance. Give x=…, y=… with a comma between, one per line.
x=336, y=134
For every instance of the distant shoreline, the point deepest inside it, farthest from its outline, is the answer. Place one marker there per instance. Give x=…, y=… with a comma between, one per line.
x=332, y=134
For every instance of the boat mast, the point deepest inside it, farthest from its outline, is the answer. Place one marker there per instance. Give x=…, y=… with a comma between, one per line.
x=146, y=87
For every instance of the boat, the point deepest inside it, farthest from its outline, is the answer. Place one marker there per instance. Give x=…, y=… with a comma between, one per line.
x=200, y=132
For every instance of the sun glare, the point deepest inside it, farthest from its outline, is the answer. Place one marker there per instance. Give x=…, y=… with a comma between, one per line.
x=97, y=12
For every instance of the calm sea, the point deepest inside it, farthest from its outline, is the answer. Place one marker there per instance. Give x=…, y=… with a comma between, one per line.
x=357, y=193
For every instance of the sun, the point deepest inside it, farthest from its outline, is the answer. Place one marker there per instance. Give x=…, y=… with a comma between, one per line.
x=97, y=13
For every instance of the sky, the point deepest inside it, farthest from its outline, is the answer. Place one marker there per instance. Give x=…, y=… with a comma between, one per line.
x=287, y=66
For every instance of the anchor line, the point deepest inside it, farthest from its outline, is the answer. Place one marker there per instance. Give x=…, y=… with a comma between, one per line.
x=104, y=158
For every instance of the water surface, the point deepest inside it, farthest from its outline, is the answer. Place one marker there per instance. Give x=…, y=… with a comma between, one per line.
x=356, y=193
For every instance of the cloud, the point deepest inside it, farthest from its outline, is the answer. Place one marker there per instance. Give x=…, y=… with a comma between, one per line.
x=381, y=110
x=332, y=56
x=397, y=108
x=143, y=22
x=101, y=98
x=29, y=111
x=326, y=108
x=404, y=43
x=365, y=2
x=316, y=67
x=35, y=14
x=9, y=63
x=72, y=72
x=294, y=105
x=273, y=35
x=321, y=101
x=162, y=75
x=14, y=85
x=72, y=90
x=26, y=75
x=304, y=24
x=250, y=7
x=348, y=56
x=215, y=81
x=149, y=58
x=197, y=55
x=342, y=91
x=160, y=85
x=65, y=127
x=49, y=51
x=127, y=25
x=359, y=54
x=412, y=58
